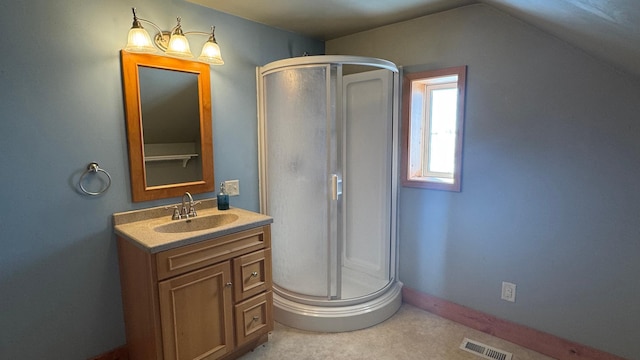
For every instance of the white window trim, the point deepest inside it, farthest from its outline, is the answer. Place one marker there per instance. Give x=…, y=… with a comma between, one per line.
x=426, y=125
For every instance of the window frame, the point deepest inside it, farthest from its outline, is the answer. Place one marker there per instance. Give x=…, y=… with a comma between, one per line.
x=426, y=180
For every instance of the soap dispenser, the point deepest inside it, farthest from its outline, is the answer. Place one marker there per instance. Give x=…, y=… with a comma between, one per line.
x=223, y=199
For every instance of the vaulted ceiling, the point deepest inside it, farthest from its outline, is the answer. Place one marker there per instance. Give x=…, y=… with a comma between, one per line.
x=606, y=29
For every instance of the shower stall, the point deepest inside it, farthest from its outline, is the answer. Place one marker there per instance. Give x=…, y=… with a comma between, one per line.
x=328, y=132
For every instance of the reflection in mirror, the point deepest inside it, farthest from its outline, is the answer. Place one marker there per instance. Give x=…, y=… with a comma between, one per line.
x=170, y=126
x=168, y=107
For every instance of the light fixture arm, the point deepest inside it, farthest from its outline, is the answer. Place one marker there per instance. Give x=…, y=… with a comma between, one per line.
x=161, y=38
x=196, y=33
x=211, y=34
x=137, y=20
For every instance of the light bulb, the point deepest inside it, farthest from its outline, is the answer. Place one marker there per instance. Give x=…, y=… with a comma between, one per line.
x=139, y=41
x=179, y=46
x=211, y=54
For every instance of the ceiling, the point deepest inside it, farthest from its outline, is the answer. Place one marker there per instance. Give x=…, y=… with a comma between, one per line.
x=606, y=29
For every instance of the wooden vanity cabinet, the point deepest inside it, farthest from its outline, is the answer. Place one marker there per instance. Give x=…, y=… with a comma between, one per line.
x=207, y=300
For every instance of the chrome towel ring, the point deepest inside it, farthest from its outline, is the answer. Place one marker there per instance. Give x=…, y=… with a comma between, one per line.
x=94, y=168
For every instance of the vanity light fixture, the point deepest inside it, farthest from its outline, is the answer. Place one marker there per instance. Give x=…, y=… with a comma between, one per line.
x=173, y=42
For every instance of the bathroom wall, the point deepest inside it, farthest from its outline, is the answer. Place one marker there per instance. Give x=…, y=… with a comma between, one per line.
x=61, y=107
x=550, y=198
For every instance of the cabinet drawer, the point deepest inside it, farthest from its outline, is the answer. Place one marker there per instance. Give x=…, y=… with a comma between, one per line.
x=251, y=274
x=190, y=257
x=254, y=317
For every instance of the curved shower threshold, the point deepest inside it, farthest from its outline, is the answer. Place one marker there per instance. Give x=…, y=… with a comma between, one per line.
x=338, y=318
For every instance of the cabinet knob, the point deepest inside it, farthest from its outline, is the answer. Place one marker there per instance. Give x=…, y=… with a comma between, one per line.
x=254, y=274
x=256, y=318
x=229, y=284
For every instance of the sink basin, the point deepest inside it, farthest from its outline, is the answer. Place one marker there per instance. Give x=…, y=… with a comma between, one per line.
x=197, y=223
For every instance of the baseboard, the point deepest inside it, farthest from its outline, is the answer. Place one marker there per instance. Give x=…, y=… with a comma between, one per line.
x=529, y=338
x=120, y=353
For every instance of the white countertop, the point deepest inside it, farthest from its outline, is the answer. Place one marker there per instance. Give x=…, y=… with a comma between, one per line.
x=138, y=226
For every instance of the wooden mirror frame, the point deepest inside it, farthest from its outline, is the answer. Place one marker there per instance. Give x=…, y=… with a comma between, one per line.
x=131, y=85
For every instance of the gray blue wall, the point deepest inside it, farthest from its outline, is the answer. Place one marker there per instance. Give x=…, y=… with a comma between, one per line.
x=550, y=197
x=61, y=107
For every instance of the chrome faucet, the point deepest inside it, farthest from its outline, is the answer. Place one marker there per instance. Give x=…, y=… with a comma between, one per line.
x=187, y=210
x=191, y=210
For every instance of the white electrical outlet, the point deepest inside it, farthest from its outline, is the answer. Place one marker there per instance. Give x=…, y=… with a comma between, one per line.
x=232, y=187
x=508, y=291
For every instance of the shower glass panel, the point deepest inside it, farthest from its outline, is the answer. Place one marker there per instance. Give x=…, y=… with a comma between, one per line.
x=298, y=162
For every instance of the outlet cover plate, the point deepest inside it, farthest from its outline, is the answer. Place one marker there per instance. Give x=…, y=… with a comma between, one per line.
x=508, y=291
x=232, y=187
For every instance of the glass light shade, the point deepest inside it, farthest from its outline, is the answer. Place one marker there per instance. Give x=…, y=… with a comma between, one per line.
x=139, y=41
x=179, y=46
x=211, y=54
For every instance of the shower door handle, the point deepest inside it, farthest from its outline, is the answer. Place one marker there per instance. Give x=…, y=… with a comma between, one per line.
x=336, y=187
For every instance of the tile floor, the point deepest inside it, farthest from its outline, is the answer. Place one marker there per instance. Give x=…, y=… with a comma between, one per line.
x=410, y=334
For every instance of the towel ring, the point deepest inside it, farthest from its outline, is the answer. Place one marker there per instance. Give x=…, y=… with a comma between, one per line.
x=94, y=168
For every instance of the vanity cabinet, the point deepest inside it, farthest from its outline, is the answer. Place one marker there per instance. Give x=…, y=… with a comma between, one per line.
x=208, y=300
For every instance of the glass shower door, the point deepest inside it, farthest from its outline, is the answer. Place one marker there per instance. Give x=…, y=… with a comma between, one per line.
x=300, y=135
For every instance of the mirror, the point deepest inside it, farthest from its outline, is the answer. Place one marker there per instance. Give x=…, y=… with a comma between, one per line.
x=168, y=116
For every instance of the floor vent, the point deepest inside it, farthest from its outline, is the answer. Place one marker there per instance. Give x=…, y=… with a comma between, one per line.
x=484, y=351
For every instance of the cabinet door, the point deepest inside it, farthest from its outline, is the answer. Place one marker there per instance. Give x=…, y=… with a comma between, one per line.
x=196, y=314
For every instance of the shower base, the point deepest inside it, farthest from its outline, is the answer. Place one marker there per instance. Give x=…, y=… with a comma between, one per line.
x=327, y=317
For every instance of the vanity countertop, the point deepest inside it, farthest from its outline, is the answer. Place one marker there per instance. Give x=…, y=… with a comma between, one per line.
x=138, y=226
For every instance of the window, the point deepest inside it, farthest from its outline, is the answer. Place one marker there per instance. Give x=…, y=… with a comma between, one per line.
x=432, y=125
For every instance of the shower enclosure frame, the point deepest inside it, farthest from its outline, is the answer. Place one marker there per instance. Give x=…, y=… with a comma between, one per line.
x=332, y=314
